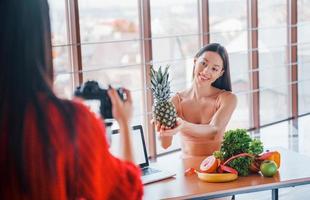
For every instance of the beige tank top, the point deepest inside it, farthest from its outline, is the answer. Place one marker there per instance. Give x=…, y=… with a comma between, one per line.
x=192, y=146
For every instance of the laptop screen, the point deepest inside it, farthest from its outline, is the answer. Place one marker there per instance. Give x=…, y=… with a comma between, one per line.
x=138, y=144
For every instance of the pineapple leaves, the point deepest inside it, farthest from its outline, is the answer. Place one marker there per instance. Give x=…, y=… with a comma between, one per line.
x=152, y=71
x=160, y=84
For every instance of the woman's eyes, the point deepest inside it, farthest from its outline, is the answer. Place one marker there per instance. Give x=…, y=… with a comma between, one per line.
x=205, y=63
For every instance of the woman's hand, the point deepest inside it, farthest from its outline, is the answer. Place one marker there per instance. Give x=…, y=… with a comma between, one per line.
x=121, y=110
x=165, y=131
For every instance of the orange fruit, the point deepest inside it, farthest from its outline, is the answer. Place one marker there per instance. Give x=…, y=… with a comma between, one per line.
x=209, y=164
x=276, y=157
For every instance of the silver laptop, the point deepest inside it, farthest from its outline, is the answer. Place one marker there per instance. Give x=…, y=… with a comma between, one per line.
x=149, y=174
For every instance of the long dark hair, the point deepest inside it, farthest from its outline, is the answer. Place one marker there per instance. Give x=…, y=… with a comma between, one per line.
x=26, y=63
x=222, y=82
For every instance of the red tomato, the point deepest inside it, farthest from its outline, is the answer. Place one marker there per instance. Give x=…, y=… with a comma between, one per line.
x=189, y=172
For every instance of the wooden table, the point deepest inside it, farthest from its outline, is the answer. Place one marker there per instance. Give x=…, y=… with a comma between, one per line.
x=294, y=171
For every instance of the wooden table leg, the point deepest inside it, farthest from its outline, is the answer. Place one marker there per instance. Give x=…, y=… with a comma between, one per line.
x=275, y=194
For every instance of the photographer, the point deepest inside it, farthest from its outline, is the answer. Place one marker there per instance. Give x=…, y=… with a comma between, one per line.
x=52, y=148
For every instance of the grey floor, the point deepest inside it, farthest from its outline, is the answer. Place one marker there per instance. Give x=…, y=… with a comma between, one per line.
x=296, y=138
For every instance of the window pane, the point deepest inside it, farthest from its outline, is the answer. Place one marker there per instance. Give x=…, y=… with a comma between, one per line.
x=304, y=78
x=58, y=22
x=174, y=17
x=228, y=16
x=179, y=18
x=274, y=102
x=228, y=26
x=102, y=20
x=304, y=96
x=272, y=13
x=276, y=135
x=105, y=57
x=272, y=43
x=241, y=116
x=63, y=76
x=240, y=79
x=303, y=134
x=303, y=57
x=174, y=48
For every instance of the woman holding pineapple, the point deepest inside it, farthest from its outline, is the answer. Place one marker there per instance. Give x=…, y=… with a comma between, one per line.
x=203, y=110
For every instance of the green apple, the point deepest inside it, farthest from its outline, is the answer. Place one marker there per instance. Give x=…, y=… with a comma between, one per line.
x=268, y=168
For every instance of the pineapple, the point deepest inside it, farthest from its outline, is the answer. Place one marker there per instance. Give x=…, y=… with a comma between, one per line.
x=164, y=111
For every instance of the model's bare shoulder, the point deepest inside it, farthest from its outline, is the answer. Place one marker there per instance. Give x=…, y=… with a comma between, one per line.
x=179, y=96
x=228, y=98
x=177, y=99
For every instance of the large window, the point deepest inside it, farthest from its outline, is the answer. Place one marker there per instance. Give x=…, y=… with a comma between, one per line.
x=273, y=66
x=111, y=37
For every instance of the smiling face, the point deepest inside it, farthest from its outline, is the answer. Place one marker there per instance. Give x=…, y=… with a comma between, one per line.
x=208, y=68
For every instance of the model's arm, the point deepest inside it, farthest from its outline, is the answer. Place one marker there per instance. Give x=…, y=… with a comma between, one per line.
x=165, y=141
x=218, y=122
x=205, y=131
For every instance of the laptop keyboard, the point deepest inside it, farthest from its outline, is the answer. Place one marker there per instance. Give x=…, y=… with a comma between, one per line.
x=148, y=171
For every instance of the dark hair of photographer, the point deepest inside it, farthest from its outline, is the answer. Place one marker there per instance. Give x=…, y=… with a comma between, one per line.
x=52, y=148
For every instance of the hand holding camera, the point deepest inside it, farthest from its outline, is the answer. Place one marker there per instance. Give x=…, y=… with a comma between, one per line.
x=121, y=109
x=114, y=103
x=91, y=92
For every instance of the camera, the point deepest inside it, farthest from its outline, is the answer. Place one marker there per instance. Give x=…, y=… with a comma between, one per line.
x=91, y=91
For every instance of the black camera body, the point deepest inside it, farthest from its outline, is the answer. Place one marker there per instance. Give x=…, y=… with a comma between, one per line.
x=91, y=90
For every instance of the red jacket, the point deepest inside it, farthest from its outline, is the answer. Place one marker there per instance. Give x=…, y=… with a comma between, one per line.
x=93, y=174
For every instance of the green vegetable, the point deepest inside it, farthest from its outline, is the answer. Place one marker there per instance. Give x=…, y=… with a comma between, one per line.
x=242, y=165
x=236, y=142
x=256, y=147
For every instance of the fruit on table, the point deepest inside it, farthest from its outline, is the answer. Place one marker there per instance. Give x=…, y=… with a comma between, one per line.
x=216, y=177
x=209, y=164
x=164, y=111
x=272, y=155
x=269, y=168
x=189, y=172
x=276, y=157
x=225, y=168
